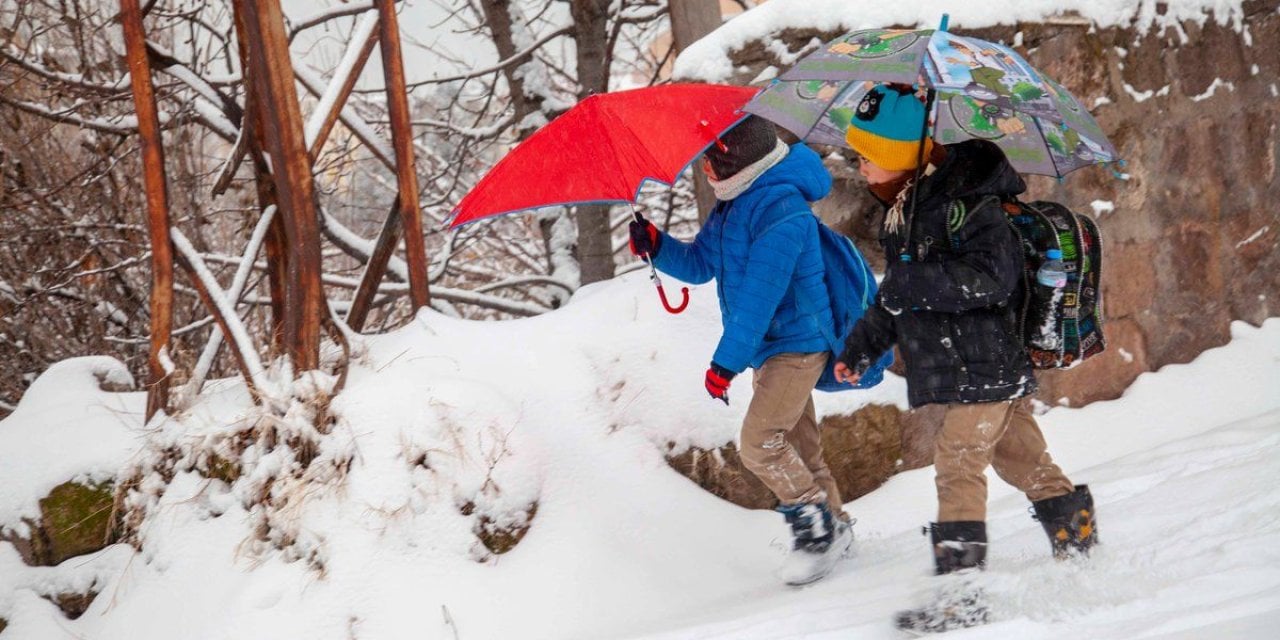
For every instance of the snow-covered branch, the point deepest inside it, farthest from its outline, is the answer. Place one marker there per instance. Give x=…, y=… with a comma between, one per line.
x=225, y=309
x=243, y=269
x=121, y=125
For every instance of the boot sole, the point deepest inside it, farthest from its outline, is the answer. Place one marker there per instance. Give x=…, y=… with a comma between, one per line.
x=844, y=553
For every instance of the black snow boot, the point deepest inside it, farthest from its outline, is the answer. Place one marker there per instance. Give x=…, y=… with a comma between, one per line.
x=958, y=548
x=1069, y=522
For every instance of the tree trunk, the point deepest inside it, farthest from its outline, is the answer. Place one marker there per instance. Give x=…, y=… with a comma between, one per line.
x=595, y=242
x=410, y=210
x=690, y=20
x=497, y=15
x=157, y=207
x=272, y=72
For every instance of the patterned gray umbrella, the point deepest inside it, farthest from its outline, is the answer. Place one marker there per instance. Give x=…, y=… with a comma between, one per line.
x=978, y=89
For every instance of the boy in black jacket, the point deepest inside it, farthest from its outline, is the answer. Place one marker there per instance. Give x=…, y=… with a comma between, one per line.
x=948, y=301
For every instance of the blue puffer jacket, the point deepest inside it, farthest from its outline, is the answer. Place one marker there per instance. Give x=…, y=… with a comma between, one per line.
x=762, y=258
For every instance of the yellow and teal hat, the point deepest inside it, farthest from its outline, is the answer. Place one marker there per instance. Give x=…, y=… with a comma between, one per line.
x=885, y=128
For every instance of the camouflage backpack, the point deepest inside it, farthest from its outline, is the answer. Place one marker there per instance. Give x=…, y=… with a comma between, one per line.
x=1073, y=319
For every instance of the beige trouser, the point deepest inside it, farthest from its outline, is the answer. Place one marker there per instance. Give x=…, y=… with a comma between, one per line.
x=781, y=443
x=1000, y=434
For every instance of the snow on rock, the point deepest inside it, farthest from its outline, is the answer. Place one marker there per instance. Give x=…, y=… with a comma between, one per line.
x=708, y=58
x=67, y=427
x=1213, y=89
x=373, y=525
x=1102, y=206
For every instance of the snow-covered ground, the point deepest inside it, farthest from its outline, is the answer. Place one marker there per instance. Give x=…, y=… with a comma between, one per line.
x=573, y=412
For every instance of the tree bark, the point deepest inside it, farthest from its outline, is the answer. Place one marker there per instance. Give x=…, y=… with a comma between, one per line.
x=690, y=20
x=497, y=14
x=276, y=248
x=410, y=209
x=157, y=206
x=595, y=242
x=272, y=74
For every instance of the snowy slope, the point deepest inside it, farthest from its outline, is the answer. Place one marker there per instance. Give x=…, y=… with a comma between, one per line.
x=573, y=411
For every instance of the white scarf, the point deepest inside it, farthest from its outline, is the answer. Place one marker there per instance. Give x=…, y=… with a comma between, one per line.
x=737, y=184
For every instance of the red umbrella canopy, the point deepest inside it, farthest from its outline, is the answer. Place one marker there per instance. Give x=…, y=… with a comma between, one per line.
x=605, y=148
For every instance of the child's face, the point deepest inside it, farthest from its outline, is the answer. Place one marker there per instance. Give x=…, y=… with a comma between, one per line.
x=706, y=168
x=875, y=174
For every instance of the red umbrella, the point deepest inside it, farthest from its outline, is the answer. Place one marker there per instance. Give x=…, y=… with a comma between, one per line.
x=605, y=148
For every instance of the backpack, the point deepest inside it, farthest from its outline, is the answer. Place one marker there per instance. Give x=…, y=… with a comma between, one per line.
x=1075, y=317
x=851, y=289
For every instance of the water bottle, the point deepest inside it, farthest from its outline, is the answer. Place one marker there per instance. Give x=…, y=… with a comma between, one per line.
x=1052, y=279
x=1052, y=273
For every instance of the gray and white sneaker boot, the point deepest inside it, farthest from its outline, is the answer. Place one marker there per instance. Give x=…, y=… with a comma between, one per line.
x=819, y=540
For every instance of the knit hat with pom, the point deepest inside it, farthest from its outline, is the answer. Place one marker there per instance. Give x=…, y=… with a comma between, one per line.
x=885, y=128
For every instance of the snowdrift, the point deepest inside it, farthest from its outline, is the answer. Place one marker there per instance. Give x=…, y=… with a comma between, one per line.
x=453, y=439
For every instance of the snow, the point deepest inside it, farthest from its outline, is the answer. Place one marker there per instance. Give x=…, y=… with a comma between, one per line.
x=1143, y=96
x=708, y=59
x=1256, y=234
x=572, y=412
x=65, y=427
x=1213, y=88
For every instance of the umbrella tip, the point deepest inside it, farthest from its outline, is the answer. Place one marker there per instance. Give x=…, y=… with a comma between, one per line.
x=946, y=18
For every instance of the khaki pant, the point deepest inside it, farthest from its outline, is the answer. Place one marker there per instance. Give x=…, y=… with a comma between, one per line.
x=1000, y=434
x=781, y=443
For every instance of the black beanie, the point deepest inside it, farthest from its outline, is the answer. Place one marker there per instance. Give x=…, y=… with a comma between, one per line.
x=749, y=141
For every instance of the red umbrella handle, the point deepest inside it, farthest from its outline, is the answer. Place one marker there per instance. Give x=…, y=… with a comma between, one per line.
x=684, y=291
x=653, y=274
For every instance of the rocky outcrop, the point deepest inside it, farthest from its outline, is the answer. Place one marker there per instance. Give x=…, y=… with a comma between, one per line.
x=75, y=519
x=862, y=451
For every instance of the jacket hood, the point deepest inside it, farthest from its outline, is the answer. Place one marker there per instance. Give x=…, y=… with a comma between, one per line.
x=973, y=168
x=801, y=169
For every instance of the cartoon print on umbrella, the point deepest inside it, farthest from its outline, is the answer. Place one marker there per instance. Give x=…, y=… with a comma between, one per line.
x=879, y=43
x=975, y=88
x=988, y=71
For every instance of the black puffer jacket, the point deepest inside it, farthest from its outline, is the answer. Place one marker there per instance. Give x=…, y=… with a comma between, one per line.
x=949, y=308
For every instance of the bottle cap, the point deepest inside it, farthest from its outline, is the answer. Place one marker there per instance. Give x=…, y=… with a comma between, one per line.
x=1053, y=254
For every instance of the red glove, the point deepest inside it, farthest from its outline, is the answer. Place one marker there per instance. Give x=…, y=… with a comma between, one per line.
x=717, y=382
x=645, y=238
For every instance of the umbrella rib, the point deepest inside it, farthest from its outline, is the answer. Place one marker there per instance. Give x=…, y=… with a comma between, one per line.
x=1057, y=173
x=620, y=126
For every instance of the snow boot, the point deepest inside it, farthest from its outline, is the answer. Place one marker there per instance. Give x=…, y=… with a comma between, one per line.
x=819, y=540
x=959, y=548
x=1069, y=522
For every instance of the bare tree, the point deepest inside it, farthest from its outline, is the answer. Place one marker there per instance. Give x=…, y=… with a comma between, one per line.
x=73, y=247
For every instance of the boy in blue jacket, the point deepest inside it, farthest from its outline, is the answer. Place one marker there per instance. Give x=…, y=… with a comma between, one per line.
x=764, y=258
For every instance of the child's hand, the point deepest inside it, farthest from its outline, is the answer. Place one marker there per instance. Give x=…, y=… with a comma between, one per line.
x=717, y=382
x=845, y=374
